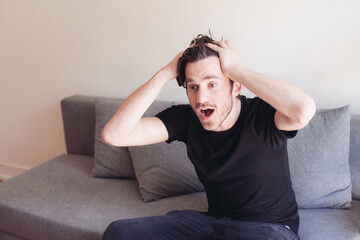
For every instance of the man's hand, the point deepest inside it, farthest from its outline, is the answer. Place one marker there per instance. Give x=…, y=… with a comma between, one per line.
x=170, y=70
x=230, y=59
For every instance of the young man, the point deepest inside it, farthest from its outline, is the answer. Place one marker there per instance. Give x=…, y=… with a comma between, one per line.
x=237, y=145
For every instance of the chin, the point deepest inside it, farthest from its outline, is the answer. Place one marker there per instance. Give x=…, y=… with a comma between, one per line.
x=208, y=127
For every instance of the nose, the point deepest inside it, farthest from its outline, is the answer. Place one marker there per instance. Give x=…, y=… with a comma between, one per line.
x=202, y=96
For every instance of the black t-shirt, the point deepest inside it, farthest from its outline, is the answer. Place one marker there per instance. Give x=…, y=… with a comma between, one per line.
x=245, y=169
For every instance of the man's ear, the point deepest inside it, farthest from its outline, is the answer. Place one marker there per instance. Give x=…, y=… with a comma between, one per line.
x=237, y=89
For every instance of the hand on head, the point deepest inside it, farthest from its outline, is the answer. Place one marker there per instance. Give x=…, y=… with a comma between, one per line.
x=230, y=59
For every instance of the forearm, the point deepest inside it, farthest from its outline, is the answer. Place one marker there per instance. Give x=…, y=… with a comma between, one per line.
x=283, y=96
x=133, y=108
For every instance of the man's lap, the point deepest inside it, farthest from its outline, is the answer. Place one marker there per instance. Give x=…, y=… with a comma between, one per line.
x=194, y=225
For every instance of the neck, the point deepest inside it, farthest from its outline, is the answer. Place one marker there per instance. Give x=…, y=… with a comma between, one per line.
x=232, y=117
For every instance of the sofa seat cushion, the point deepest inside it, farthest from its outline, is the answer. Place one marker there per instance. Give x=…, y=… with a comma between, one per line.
x=58, y=200
x=330, y=224
x=7, y=236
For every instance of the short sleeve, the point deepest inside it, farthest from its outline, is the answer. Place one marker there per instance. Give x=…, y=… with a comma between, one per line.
x=175, y=119
x=264, y=115
x=289, y=134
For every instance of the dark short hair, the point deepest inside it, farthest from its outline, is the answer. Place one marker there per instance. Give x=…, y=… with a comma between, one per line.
x=192, y=54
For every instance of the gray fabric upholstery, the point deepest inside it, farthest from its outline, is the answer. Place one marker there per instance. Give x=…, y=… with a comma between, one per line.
x=109, y=161
x=58, y=200
x=330, y=224
x=164, y=170
x=78, y=114
x=84, y=210
x=355, y=156
x=319, y=161
x=7, y=236
x=158, y=106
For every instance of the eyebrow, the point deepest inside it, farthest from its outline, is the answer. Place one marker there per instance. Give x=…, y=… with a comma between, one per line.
x=207, y=77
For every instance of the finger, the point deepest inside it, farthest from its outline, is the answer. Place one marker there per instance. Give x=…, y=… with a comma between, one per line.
x=221, y=44
x=214, y=47
x=229, y=43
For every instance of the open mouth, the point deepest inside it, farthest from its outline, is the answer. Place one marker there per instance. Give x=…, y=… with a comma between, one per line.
x=205, y=113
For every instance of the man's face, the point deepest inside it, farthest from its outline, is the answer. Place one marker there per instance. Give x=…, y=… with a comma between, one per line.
x=210, y=94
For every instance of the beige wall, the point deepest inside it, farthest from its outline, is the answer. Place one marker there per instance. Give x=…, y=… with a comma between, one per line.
x=53, y=49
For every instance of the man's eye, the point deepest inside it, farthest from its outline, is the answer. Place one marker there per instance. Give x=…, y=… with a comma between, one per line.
x=213, y=85
x=193, y=87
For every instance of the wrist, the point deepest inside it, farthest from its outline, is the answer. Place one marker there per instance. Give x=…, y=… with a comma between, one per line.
x=163, y=75
x=166, y=74
x=238, y=73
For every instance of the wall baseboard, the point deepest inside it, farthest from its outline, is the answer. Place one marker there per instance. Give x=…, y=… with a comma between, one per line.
x=8, y=170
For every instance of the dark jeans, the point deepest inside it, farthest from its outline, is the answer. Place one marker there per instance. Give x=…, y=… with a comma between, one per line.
x=189, y=224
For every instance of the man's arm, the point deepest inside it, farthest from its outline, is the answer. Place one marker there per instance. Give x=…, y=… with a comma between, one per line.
x=294, y=108
x=127, y=127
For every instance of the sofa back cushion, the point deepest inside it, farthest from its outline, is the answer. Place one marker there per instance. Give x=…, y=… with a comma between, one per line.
x=163, y=170
x=79, y=126
x=109, y=161
x=319, y=161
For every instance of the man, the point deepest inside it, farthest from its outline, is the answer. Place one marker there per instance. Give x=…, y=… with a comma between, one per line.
x=237, y=145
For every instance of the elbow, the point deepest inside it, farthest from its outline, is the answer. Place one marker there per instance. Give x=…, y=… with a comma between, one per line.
x=105, y=136
x=306, y=110
x=109, y=138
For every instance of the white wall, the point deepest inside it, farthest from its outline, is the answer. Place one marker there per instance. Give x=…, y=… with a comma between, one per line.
x=52, y=49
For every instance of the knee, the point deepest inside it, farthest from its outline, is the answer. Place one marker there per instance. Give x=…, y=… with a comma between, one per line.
x=118, y=230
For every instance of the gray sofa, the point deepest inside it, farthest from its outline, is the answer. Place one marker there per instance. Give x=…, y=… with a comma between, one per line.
x=77, y=195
